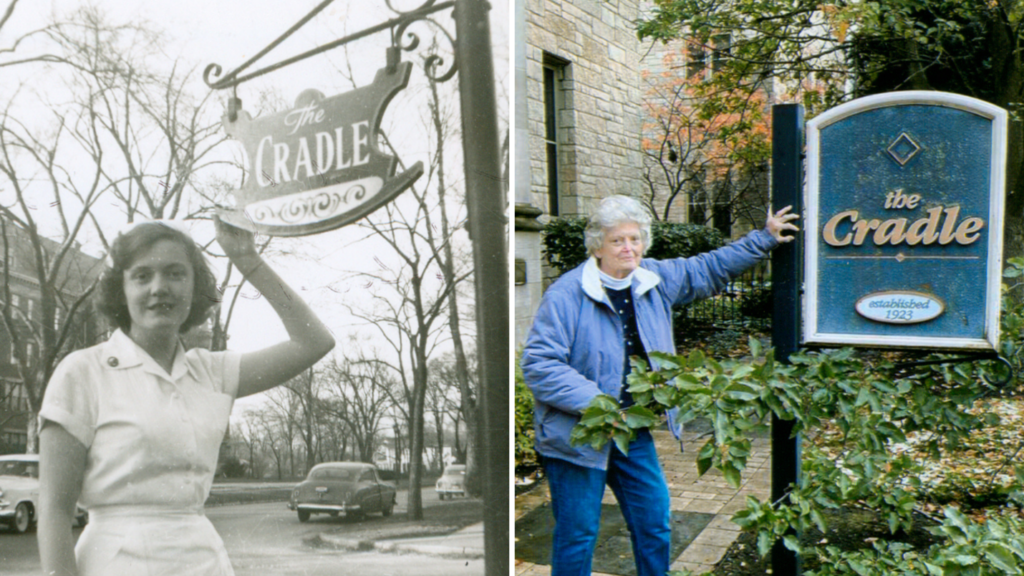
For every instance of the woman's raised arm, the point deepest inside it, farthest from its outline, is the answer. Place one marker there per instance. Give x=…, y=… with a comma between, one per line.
x=308, y=339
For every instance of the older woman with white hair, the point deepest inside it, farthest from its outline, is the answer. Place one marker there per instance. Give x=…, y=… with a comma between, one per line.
x=616, y=305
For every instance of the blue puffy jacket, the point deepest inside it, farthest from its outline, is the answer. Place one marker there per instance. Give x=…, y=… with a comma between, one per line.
x=576, y=345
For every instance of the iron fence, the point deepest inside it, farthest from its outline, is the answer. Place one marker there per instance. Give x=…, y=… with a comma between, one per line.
x=746, y=302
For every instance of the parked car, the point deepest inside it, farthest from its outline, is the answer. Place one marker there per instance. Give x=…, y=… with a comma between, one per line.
x=452, y=482
x=350, y=488
x=19, y=492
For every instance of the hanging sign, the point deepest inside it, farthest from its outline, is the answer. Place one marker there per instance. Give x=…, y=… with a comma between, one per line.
x=904, y=201
x=317, y=167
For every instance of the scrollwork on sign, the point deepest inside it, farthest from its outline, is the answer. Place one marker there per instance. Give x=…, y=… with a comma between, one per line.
x=213, y=70
x=316, y=206
x=434, y=64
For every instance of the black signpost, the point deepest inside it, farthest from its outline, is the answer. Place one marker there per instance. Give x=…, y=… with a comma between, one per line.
x=787, y=261
x=487, y=207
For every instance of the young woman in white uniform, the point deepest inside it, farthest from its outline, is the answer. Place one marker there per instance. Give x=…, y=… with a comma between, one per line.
x=132, y=427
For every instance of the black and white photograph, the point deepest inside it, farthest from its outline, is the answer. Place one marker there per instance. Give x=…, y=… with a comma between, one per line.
x=254, y=287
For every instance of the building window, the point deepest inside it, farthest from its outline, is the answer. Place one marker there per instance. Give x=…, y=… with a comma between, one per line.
x=722, y=44
x=721, y=217
x=695, y=60
x=554, y=103
x=15, y=301
x=704, y=61
x=56, y=318
x=30, y=303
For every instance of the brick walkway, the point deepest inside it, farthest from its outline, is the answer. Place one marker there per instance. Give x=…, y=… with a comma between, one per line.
x=709, y=494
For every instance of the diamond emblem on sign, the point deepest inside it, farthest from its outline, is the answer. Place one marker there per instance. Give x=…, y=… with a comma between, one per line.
x=903, y=149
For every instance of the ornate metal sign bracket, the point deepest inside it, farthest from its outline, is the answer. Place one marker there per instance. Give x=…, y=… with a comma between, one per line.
x=998, y=383
x=398, y=27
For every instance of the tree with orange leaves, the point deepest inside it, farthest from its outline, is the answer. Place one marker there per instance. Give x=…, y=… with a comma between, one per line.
x=702, y=142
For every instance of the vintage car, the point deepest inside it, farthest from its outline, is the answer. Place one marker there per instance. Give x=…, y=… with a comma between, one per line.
x=19, y=492
x=452, y=482
x=350, y=488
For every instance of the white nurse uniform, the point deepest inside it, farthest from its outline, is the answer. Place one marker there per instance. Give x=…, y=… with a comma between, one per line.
x=153, y=440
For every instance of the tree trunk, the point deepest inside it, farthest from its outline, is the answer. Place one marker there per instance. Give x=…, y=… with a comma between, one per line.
x=419, y=395
x=32, y=446
x=473, y=484
x=439, y=455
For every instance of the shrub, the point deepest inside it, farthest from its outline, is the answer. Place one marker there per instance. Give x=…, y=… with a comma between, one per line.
x=231, y=467
x=757, y=303
x=563, y=243
x=564, y=248
x=875, y=411
x=525, y=455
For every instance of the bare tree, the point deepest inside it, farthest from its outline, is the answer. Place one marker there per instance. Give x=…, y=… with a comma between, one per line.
x=443, y=404
x=248, y=435
x=40, y=187
x=444, y=377
x=714, y=159
x=444, y=129
x=408, y=304
x=162, y=134
x=361, y=390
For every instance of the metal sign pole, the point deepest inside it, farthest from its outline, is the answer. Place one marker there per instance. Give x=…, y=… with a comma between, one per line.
x=487, y=224
x=787, y=184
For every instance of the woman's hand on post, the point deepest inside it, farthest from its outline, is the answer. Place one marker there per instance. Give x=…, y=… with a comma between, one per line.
x=780, y=222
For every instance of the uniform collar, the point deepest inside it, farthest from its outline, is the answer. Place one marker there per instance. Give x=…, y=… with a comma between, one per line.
x=121, y=352
x=643, y=281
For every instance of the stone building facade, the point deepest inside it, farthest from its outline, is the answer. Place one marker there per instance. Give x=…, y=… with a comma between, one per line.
x=578, y=118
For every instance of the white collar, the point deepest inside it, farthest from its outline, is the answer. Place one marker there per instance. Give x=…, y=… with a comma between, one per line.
x=643, y=281
x=613, y=283
x=122, y=352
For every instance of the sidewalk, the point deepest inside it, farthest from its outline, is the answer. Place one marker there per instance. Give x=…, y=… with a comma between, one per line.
x=466, y=543
x=709, y=494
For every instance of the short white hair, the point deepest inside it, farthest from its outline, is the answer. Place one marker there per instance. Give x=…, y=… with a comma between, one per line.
x=611, y=212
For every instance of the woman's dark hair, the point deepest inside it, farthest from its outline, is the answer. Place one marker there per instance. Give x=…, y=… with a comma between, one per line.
x=127, y=247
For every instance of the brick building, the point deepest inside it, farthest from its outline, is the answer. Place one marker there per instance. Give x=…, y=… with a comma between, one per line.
x=17, y=275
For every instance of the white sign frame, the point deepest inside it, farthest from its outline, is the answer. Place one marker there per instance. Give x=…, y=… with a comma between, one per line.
x=811, y=335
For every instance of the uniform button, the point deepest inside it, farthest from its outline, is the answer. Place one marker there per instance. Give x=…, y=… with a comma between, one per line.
x=112, y=362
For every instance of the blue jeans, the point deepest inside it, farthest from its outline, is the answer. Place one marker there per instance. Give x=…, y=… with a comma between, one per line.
x=639, y=486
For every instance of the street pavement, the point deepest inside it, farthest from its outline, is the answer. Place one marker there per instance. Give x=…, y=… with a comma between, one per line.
x=266, y=538
x=690, y=492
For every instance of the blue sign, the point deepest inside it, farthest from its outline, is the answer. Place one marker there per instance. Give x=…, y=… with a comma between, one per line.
x=904, y=219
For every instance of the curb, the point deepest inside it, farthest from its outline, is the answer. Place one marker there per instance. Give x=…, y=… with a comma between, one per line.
x=347, y=543
x=467, y=552
x=403, y=546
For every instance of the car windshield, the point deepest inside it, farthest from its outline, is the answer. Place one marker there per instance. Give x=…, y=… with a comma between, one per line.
x=345, y=474
x=17, y=468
